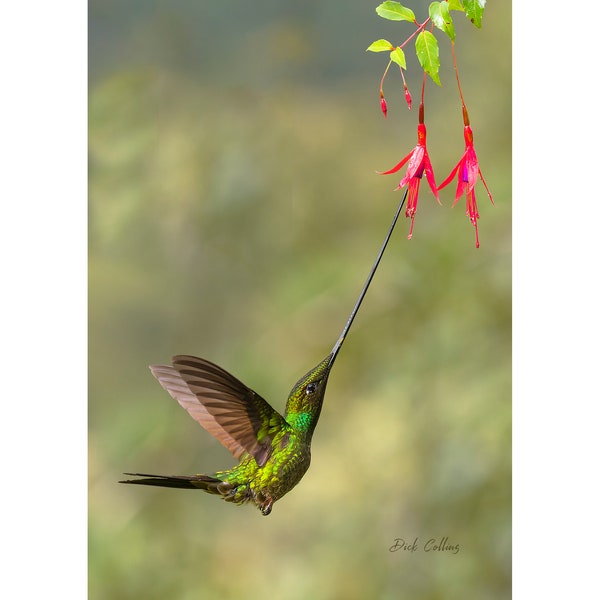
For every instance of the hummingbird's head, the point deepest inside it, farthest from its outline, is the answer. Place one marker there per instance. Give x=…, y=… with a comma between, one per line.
x=306, y=398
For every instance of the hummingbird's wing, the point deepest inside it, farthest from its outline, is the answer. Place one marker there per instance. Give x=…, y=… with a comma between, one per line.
x=237, y=416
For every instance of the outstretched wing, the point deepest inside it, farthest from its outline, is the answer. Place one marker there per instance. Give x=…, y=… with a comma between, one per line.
x=237, y=416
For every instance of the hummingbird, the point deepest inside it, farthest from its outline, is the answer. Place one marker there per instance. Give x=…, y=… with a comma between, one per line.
x=273, y=449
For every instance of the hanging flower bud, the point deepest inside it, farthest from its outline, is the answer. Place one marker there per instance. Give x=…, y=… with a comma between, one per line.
x=408, y=97
x=383, y=104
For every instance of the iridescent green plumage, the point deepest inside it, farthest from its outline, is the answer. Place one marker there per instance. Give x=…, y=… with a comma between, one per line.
x=273, y=450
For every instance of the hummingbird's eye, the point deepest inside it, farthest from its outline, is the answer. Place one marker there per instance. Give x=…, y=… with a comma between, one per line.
x=311, y=388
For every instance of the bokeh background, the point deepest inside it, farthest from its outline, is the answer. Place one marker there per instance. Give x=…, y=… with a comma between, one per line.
x=234, y=214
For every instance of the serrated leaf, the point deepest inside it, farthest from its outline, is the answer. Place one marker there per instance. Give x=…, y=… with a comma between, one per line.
x=455, y=5
x=474, y=11
x=380, y=46
x=440, y=16
x=398, y=57
x=394, y=11
x=428, y=54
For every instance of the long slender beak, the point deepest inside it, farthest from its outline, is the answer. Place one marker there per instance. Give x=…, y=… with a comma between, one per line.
x=341, y=339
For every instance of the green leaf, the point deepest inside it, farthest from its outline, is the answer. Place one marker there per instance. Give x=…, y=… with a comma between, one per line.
x=455, y=5
x=474, y=11
x=440, y=15
x=428, y=54
x=398, y=57
x=380, y=46
x=394, y=11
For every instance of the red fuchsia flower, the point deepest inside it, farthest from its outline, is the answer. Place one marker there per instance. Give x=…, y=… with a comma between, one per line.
x=418, y=164
x=468, y=170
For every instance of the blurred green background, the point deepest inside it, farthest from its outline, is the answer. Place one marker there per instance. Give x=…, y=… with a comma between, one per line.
x=234, y=214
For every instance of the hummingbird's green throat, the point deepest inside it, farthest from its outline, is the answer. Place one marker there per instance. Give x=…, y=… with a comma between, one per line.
x=273, y=449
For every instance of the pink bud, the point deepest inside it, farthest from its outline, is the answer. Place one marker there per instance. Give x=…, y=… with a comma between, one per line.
x=383, y=106
x=408, y=97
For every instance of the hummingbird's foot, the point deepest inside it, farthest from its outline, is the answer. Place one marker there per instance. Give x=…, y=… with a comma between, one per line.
x=266, y=506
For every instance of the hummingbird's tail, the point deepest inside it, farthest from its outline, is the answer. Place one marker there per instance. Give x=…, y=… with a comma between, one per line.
x=212, y=485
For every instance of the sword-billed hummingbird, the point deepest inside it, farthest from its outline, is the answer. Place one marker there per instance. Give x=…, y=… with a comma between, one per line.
x=273, y=450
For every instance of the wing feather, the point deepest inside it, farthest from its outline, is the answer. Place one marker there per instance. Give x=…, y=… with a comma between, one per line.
x=233, y=413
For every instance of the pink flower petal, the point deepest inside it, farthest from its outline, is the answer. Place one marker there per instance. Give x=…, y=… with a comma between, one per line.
x=397, y=167
x=451, y=176
x=414, y=165
x=486, y=188
x=460, y=190
x=431, y=177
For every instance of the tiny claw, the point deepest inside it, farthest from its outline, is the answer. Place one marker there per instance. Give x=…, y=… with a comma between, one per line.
x=266, y=506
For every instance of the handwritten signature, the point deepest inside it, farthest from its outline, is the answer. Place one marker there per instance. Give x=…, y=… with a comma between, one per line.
x=431, y=545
